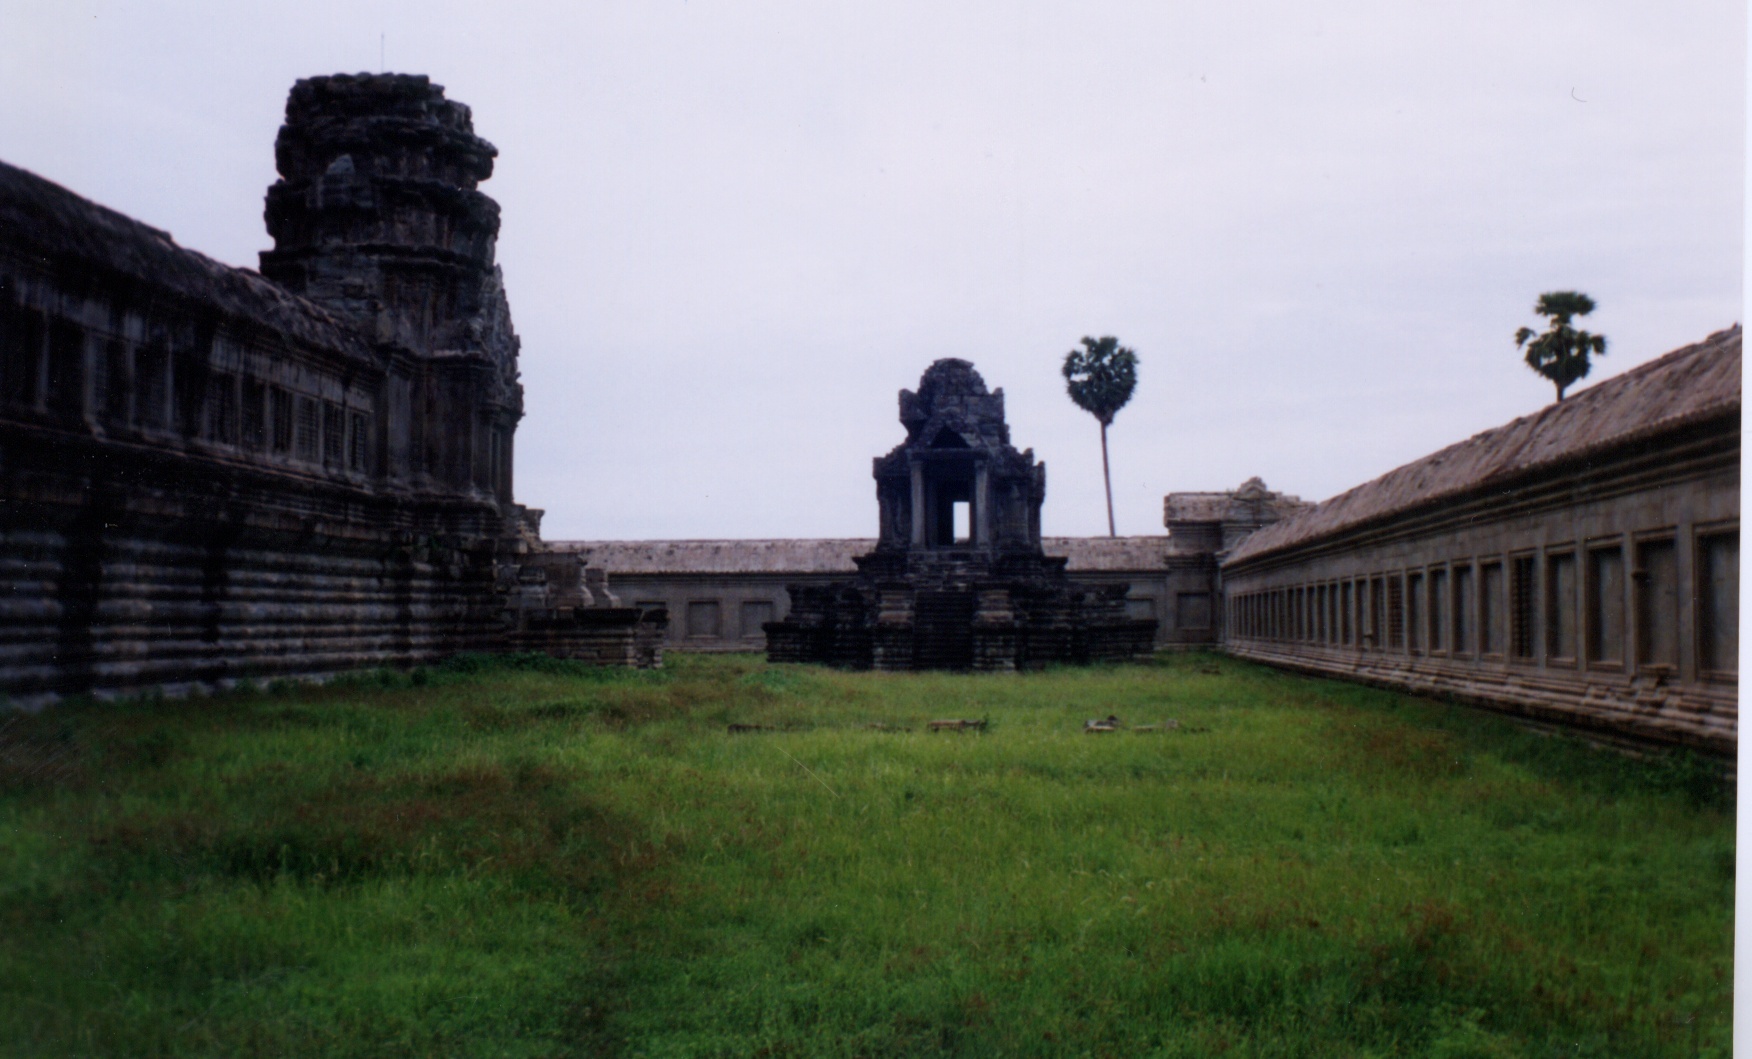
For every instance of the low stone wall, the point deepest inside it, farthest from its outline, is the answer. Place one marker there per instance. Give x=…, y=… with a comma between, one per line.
x=610, y=636
x=1645, y=708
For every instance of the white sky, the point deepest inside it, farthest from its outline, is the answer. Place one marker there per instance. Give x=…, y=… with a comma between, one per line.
x=733, y=230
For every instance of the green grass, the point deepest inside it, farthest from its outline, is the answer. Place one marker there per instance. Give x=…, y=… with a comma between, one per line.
x=527, y=858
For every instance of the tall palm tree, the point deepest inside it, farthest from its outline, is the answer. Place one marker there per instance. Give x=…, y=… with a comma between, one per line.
x=1100, y=378
x=1561, y=353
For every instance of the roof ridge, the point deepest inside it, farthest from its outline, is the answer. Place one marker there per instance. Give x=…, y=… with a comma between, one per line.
x=50, y=217
x=1528, y=442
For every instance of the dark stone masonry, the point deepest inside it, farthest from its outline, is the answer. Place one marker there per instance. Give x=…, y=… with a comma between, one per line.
x=209, y=475
x=958, y=578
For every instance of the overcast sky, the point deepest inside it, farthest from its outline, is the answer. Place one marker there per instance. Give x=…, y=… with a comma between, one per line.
x=733, y=230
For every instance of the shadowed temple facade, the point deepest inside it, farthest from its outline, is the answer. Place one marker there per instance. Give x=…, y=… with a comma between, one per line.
x=958, y=578
x=212, y=475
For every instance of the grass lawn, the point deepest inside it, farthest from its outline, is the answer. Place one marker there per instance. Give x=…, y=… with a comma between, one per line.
x=534, y=859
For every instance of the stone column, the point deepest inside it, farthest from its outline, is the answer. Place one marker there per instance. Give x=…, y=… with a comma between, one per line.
x=982, y=506
x=918, y=506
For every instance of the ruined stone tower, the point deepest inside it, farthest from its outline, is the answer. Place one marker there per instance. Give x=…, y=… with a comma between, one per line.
x=214, y=476
x=377, y=217
x=957, y=453
x=958, y=578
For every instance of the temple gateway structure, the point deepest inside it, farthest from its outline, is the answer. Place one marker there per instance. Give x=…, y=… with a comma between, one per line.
x=958, y=578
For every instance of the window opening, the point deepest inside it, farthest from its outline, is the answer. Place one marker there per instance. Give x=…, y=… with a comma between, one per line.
x=334, y=433
x=1377, y=593
x=1438, y=610
x=21, y=352
x=1657, y=604
x=358, y=442
x=703, y=618
x=1465, y=606
x=280, y=408
x=1560, y=606
x=114, y=400
x=66, y=367
x=1490, y=603
x=1522, y=612
x=188, y=386
x=1718, y=579
x=152, y=371
x=1414, y=612
x=221, y=408
x=255, y=426
x=755, y=613
x=308, y=427
x=1606, y=605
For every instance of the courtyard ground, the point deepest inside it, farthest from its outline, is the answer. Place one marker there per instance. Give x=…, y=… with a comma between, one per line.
x=527, y=858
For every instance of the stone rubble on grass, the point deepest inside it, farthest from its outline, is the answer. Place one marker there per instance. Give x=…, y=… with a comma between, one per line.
x=1166, y=726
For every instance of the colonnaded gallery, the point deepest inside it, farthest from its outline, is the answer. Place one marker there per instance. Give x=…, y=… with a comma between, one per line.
x=214, y=475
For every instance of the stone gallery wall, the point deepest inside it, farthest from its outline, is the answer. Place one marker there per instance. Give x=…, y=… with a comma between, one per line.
x=210, y=474
x=1580, y=565
x=720, y=593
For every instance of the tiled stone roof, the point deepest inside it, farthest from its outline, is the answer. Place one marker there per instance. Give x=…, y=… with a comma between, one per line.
x=787, y=556
x=829, y=555
x=46, y=220
x=1690, y=385
x=1092, y=554
x=1196, y=507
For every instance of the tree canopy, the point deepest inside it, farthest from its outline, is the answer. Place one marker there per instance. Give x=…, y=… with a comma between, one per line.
x=1100, y=378
x=1561, y=352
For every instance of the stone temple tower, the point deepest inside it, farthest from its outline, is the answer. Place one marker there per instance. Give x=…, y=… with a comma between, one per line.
x=957, y=463
x=377, y=218
x=958, y=579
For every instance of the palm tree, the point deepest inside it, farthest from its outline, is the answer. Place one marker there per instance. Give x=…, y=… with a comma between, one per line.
x=1100, y=378
x=1561, y=353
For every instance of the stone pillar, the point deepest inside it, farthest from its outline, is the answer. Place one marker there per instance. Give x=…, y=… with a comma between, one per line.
x=982, y=506
x=918, y=507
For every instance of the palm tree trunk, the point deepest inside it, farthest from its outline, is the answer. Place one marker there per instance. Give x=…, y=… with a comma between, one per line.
x=1107, y=477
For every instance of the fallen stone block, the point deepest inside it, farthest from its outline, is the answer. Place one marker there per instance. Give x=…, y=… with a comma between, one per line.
x=1166, y=726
